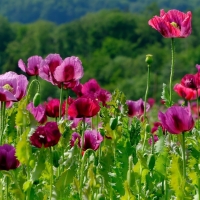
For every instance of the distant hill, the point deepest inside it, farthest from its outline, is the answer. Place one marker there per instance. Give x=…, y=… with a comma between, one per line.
x=26, y=11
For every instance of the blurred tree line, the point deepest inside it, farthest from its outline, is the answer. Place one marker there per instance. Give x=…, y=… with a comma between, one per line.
x=112, y=45
x=62, y=11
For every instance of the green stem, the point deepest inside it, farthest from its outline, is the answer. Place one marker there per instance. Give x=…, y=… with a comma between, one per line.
x=31, y=84
x=3, y=109
x=197, y=110
x=84, y=158
x=60, y=106
x=6, y=188
x=51, y=173
x=172, y=71
x=183, y=156
x=147, y=90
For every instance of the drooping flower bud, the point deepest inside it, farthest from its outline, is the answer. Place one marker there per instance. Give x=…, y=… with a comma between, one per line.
x=36, y=99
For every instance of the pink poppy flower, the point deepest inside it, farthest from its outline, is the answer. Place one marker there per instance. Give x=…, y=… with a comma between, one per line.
x=136, y=108
x=184, y=92
x=12, y=86
x=70, y=70
x=48, y=66
x=32, y=68
x=46, y=136
x=83, y=107
x=173, y=24
x=8, y=159
x=151, y=102
x=177, y=119
x=38, y=112
x=92, y=140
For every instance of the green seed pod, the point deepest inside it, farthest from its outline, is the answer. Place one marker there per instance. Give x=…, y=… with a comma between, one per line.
x=151, y=161
x=113, y=123
x=147, y=128
x=36, y=99
x=149, y=59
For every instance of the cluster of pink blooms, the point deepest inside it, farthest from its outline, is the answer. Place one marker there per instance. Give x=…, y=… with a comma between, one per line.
x=90, y=96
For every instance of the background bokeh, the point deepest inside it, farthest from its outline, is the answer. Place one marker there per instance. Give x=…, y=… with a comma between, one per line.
x=111, y=38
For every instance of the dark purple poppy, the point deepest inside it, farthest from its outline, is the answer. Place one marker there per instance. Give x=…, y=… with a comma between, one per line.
x=32, y=68
x=8, y=159
x=38, y=112
x=177, y=119
x=173, y=24
x=12, y=86
x=46, y=136
x=136, y=108
x=83, y=107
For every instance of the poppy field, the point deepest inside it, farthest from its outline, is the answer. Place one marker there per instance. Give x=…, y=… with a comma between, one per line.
x=99, y=144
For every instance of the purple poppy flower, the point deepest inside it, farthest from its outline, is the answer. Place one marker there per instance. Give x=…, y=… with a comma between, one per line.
x=8, y=159
x=38, y=112
x=75, y=136
x=70, y=70
x=136, y=108
x=92, y=140
x=173, y=24
x=48, y=67
x=155, y=138
x=47, y=136
x=32, y=68
x=177, y=119
x=13, y=86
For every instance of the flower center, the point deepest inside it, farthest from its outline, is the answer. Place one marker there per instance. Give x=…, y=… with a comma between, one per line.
x=174, y=24
x=8, y=87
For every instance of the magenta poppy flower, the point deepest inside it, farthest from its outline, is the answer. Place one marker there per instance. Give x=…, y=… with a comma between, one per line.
x=155, y=127
x=136, y=108
x=46, y=136
x=184, y=92
x=8, y=159
x=177, y=119
x=12, y=86
x=83, y=107
x=48, y=67
x=38, y=112
x=75, y=136
x=151, y=102
x=155, y=138
x=70, y=70
x=173, y=24
x=92, y=140
x=52, y=108
x=32, y=68
x=90, y=88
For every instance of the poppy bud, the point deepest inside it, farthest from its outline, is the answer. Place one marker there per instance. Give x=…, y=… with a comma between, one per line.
x=149, y=59
x=36, y=99
x=113, y=123
x=100, y=197
x=151, y=161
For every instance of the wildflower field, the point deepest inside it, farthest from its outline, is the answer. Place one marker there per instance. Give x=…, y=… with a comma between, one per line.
x=99, y=145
